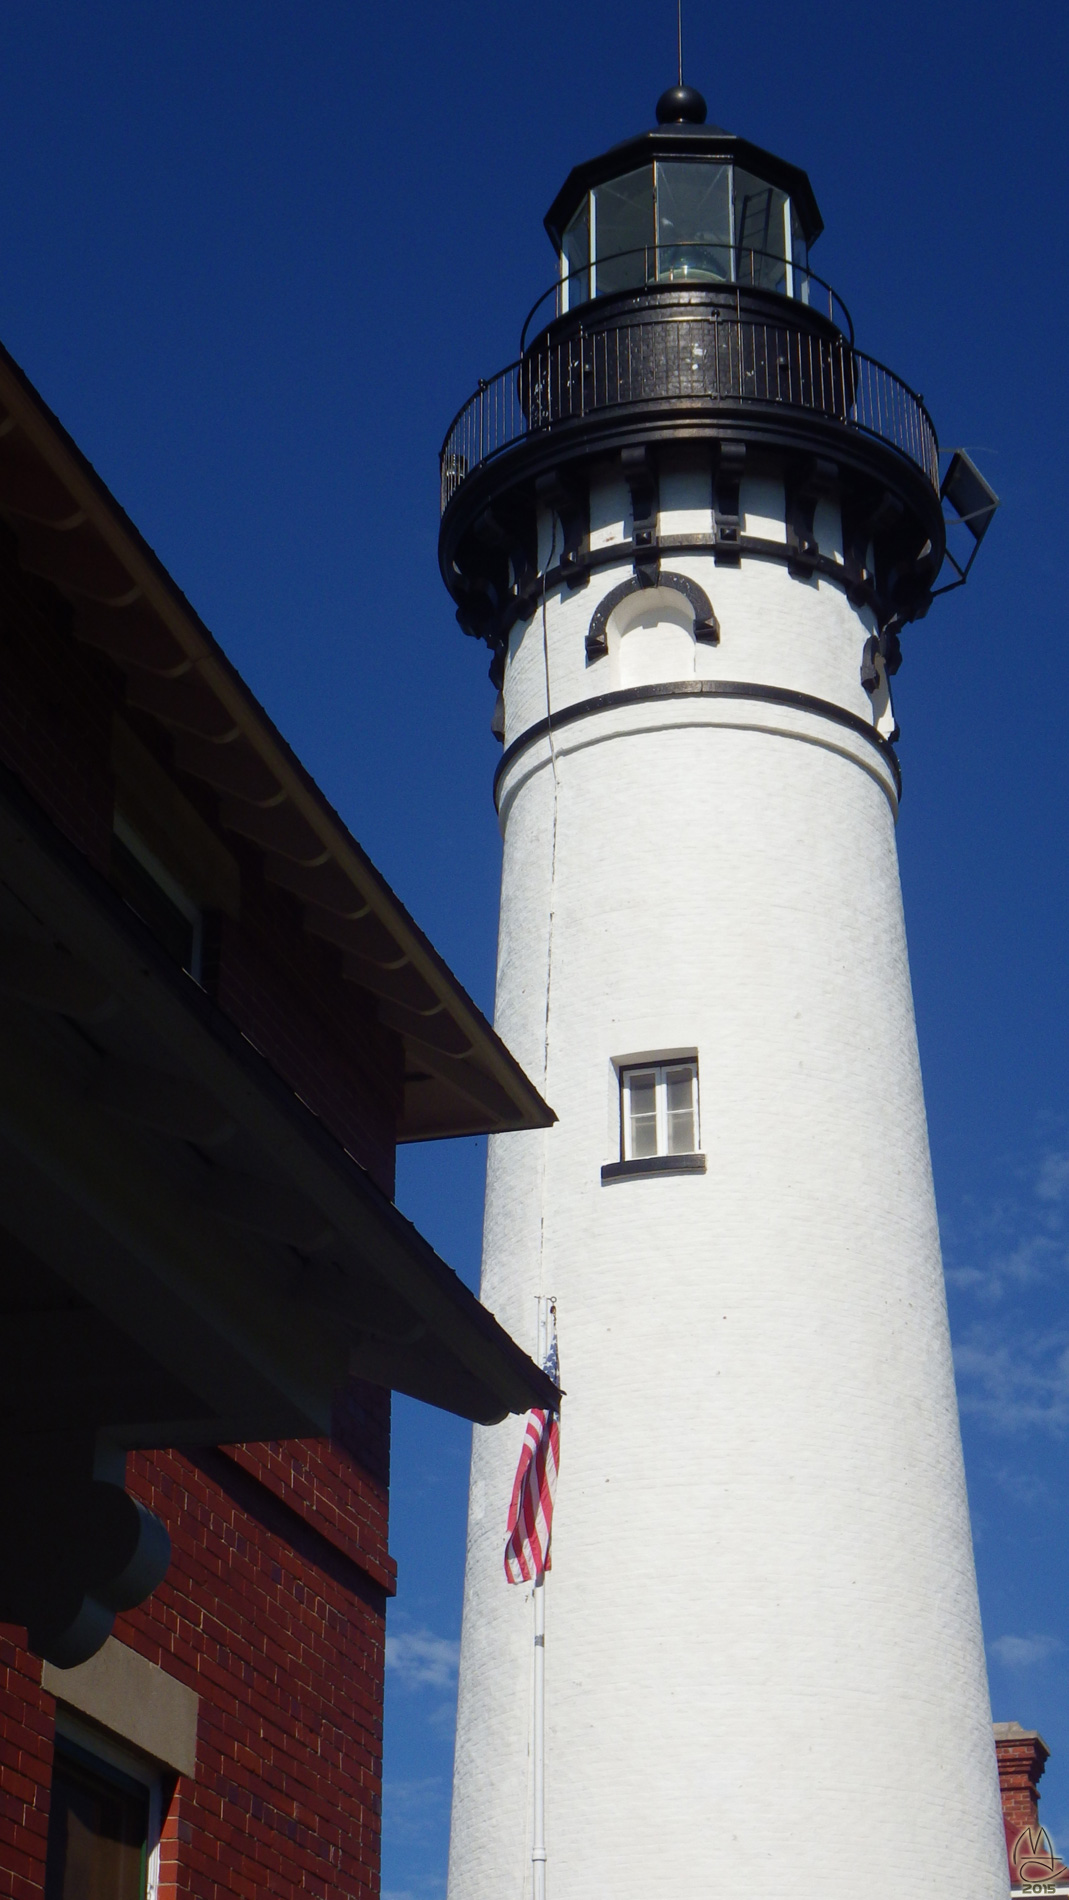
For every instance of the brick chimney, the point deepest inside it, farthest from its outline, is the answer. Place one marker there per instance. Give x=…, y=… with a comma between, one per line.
x=1022, y=1756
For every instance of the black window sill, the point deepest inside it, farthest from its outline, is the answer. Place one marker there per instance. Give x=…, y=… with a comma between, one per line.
x=653, y=1164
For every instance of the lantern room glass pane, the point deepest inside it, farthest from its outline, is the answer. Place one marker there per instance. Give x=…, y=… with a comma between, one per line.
x=693, y=223
x=623, y=228
x=761, y=233
x=576, y=257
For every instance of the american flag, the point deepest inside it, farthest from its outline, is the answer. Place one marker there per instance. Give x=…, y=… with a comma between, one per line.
x=531, y=1512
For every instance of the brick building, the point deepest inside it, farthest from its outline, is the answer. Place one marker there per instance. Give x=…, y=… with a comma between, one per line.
x=1035, y=1865
x=216, y=1021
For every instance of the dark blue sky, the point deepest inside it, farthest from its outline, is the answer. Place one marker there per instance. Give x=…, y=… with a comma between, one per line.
x=255, y=255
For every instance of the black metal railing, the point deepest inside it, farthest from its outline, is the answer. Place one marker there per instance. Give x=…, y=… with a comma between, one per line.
x=722, y=357
x=692, y=265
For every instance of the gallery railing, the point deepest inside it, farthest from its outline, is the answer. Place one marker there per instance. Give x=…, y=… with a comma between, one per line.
x=724, y=356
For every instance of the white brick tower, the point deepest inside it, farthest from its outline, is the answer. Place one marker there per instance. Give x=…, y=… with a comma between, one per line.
x=690, y=523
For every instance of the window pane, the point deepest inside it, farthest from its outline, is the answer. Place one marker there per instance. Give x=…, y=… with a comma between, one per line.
x=623, y=223
x=693, y=223
x=682, y=1133
x=97, y=1835
x=577, y=257
x=760, y=233
x=642, y=1096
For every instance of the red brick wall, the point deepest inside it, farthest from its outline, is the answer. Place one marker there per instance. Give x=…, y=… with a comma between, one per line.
x=274, y=1612
x=1022, y=1757
x=26, y=1727
x=1021, y=1761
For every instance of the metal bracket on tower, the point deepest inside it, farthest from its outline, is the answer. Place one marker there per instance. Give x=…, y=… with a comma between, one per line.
x=727, y=519
x=862, y=526
x=572, y=508
x=806, y=484
x=641, y=478
x=516, y=594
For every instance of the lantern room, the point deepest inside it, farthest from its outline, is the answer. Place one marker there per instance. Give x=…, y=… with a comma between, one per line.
x=685, y=203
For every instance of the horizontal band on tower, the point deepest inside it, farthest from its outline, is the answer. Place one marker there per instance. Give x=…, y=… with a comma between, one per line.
x=702, y=689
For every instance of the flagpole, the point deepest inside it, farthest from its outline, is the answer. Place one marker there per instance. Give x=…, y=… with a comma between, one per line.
x=538, y=1740
x=538, y=1778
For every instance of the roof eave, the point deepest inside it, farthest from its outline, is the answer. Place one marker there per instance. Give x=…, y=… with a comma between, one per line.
x=481, y=1088
x=286, y=1302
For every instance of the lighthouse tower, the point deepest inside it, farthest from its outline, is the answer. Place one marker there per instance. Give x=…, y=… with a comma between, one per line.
x=690, y=522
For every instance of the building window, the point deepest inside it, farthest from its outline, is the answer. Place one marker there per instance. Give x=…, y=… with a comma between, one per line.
x=157, y=896
x=659, y=1105
x=659, y=1129
x=103, y=1823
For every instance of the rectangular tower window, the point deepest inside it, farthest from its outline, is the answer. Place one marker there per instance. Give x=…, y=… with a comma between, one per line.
x=659, y=1110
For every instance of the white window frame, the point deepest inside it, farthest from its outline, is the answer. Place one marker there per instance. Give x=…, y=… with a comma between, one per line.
x=113, y=1755
x=659, y=1069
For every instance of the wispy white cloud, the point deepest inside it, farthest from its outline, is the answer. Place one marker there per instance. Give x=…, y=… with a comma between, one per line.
x=413, y=1809
x=1013, y=1373
x=1026, y=1263
x=1021, y=1237
x=1052, y=1181
x=1014, y=1379
x=422, y=1660
x=1024, y=1487
x=1023, y=1652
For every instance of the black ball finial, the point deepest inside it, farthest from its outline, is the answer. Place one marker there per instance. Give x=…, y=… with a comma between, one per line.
x=681, y=105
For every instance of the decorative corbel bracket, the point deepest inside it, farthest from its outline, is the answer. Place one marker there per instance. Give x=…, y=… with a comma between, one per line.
x=517, y=588
x=76, y=1548
x=806, y=484
x=881, y=651
x=862, y=527
x=727, y=518
x=571, y=505
x=641, y=478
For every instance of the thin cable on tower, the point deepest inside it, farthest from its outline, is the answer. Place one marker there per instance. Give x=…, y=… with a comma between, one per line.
x=679, y=36
x=552, y=897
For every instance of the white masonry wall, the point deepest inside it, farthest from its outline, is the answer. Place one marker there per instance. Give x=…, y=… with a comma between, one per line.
x=764, y=1665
